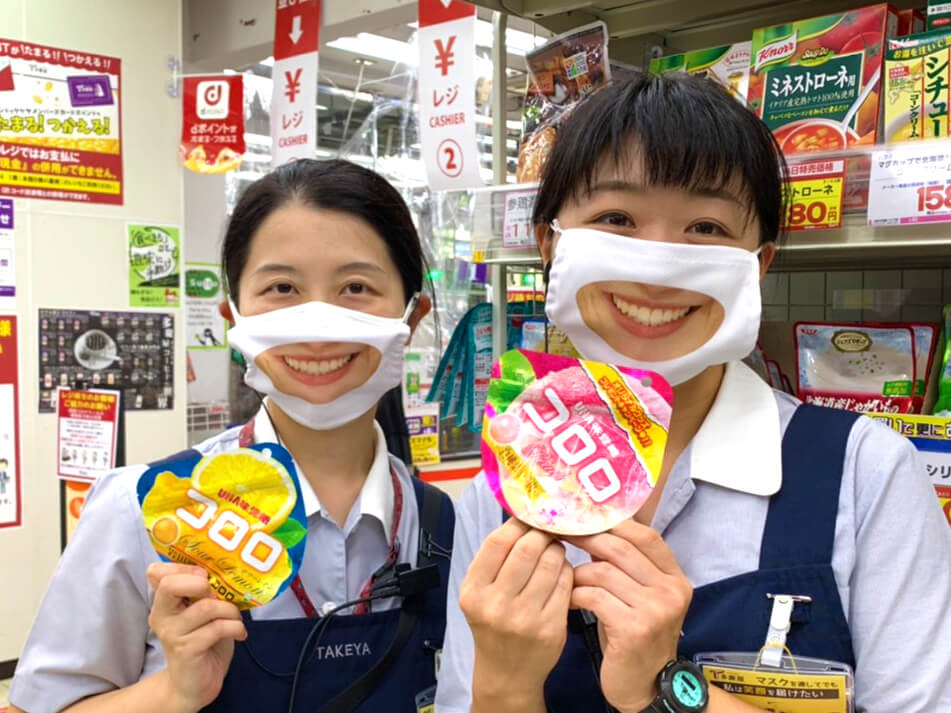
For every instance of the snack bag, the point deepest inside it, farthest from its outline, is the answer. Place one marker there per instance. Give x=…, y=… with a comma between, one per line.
x=856, y=367
x=727, y=65
x=573, y=447
x=561, y=73
x=943, y=405
x=926, y=338
x=238, y=514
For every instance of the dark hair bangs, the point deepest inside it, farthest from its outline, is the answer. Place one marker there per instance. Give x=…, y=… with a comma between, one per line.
x=686, y=132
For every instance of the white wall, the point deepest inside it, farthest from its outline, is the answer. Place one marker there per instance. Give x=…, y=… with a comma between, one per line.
x=73, y=256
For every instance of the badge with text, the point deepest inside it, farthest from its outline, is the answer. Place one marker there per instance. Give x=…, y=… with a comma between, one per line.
x=573, y=447
x=447, y=130
x=294, y=101
x=815, y=195
x=910, y=184
x=238, y=514
x=213, y=123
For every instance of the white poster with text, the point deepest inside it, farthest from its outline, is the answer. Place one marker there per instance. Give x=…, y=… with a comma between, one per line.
x=294, y=101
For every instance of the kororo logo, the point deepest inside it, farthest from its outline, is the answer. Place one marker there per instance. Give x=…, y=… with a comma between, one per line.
x=776, y=51
x=850, y=340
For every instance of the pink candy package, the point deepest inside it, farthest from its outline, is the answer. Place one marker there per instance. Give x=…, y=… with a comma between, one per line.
x=573, y=447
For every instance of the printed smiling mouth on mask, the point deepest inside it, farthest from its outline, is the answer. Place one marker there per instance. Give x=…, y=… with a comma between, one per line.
x=290, y=330
x=724, y=279
x=650, y=322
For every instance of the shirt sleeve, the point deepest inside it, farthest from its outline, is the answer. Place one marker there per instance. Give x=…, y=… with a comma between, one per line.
x=476, y=517
x=91, y=633
x=900, y=589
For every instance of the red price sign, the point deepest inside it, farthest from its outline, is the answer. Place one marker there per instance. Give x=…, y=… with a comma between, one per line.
x=934, y=198
x=815, y=195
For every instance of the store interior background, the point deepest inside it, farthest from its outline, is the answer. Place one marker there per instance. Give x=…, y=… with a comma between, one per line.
x=69, y=255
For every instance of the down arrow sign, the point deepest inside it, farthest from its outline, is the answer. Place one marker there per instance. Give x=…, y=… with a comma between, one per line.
x=296, y=31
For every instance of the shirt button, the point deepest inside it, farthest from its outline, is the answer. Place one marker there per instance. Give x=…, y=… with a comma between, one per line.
x=327, y=608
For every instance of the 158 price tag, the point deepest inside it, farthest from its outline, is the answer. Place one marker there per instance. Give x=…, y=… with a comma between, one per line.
x=910, y=184
x=815, y=192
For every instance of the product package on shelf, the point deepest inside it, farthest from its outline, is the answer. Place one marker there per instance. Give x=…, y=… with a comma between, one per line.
x=573, y=447
x=856, y=367
x=561, y=73
x=727, y=65
x=939, y=15
x=816, y=82
x=916, y=87
x=943, y=404
x=462, y=378
x=931, y=435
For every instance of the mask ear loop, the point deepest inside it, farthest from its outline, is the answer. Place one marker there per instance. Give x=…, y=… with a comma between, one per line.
x=410, y=307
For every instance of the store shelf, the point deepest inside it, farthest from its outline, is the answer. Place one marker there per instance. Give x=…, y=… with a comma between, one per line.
x=856, y=244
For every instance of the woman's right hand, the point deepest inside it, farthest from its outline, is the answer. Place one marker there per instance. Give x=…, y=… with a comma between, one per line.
x=515, y=597
x=197, y=632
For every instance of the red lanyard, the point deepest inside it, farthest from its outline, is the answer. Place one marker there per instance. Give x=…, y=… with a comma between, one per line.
x=246, y=439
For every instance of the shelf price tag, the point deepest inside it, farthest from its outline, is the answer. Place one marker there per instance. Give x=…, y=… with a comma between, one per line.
x=815, y=193
x=517, y=229
x=910, y=184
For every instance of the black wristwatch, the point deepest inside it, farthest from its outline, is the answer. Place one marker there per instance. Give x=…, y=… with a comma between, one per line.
x=682, y=689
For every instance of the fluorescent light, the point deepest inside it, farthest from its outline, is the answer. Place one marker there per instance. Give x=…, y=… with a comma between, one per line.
x=362, y=96
x=516, y=41
x=379, y=47
x=487, y=120
x=267, y=61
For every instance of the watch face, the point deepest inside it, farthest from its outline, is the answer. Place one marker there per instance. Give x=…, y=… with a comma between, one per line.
x=688, y=690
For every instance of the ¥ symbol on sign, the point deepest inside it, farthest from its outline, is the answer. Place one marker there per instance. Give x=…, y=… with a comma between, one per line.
x=293, y=84
x=444, y=55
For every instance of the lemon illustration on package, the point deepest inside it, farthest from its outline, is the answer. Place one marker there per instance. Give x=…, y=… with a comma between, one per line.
x=238, y=514
x=573, y=447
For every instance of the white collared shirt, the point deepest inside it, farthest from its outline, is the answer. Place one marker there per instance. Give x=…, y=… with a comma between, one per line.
x=91, y=634
x=891, y=556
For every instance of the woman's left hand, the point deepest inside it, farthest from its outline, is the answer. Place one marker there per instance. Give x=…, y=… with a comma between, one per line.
x=636, y=588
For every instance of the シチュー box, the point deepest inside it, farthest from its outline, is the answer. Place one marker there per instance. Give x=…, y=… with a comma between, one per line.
x=917, y=93
x=816, y=82
x=728, y=65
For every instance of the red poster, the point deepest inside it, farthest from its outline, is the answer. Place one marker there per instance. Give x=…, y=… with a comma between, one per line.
x=88, y=431
x=60, y=134
x=213, y=123
x=10, y=490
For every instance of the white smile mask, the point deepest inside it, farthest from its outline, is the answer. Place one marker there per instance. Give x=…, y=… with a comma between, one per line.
x=728, y=275
x=323, y=322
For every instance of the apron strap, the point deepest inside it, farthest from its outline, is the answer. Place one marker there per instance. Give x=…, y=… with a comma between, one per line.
x=800, y=523
x=353, y=695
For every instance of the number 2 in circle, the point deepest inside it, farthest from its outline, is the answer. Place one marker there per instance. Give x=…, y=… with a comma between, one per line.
x=450, y=153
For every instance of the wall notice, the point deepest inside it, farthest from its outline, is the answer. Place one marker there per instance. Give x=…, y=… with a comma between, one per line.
x=88, y=431
x=131, y=352
x=60, y=135
x=206, y=327
x=10, y=490
x=154, y=266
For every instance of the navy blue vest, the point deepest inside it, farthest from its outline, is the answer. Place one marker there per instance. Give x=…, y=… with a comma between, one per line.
x=261, y=672
x=796, y=558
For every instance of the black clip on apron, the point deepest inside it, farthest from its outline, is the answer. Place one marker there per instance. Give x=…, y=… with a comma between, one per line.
x=796, y=557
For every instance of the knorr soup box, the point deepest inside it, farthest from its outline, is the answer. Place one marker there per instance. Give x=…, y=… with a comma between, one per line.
x=816, y=82
x=916, y=87
x=728, y=65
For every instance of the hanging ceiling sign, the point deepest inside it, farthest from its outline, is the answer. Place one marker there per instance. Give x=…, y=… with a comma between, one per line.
x=447, y=94
x=294, y=102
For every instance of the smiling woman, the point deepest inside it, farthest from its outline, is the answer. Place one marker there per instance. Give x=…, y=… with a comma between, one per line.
x=325, y=275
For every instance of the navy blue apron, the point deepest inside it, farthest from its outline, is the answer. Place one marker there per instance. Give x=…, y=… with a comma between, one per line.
x=796, y=556
x=261, y=672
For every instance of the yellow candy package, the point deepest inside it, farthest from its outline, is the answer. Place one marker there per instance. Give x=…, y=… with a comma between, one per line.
x=238, y=514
